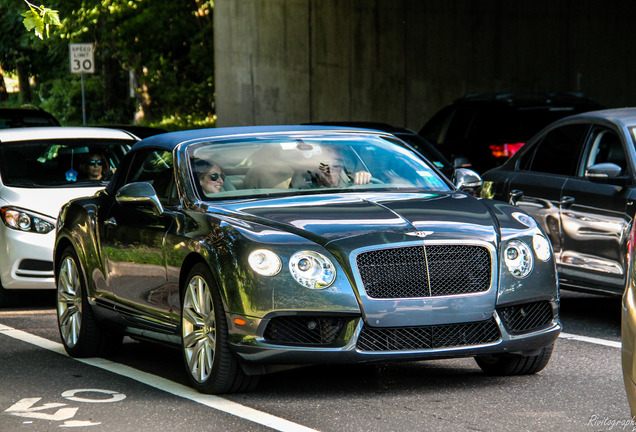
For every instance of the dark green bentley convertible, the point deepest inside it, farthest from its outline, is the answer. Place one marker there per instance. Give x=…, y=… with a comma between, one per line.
x=253, y=249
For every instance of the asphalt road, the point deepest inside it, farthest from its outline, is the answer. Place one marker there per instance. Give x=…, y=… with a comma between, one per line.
x=144, y=387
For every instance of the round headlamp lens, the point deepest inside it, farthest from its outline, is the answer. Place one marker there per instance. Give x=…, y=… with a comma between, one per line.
x=541, y=247
x=24, y=222
x=518, y=258
x=265, y=262
x=312, y=269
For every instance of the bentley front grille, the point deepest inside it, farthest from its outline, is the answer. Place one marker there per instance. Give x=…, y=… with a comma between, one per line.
x=428, y=337
x=526, y=317
x=425, y=271
x=303, y=330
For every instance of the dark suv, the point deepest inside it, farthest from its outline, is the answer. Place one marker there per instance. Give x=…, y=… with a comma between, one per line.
x=481, y=131
x=25, y=117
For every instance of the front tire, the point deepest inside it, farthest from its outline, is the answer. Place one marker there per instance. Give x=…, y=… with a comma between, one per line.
x=515, y=364
x=209, y=363
x=79, y=332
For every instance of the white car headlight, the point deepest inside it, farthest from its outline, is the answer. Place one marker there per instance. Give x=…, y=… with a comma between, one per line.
x=265, y=262
x=23, y=220
x=541, y=247
x=312, y=269
x=518, y=258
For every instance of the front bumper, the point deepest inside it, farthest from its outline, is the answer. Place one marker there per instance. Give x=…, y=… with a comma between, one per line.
x=353, y=343
x=26, y=261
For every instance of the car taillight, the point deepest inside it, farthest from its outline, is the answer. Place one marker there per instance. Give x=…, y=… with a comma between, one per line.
x=505, y=150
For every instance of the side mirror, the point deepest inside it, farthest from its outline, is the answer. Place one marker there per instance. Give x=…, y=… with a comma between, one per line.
x=467, y=180
x=602, y=171
x=139, y=194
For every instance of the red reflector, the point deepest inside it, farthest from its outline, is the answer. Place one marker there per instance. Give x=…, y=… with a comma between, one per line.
x=505, y=150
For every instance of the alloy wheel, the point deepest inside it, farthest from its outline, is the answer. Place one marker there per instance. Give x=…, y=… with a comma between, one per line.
x=69, y=301
x=199, y=329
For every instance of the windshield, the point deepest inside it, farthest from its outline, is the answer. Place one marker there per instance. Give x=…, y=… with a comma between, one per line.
x=312, y=164
x=60, y=163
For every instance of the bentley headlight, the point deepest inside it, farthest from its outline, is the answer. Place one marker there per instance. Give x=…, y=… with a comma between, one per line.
x=22, y=220
x=264, y=262
x=518, y=258
x=541, y=247
x=312, y=269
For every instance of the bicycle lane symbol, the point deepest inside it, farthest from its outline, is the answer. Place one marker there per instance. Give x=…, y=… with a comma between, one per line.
x=27, y=407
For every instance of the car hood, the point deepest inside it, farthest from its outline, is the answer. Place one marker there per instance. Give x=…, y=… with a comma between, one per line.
x=46, y=201
x=375, y=218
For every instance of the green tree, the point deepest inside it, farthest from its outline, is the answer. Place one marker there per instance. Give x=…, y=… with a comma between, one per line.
x=20, y=53
x=165, y=45
x=40, y=19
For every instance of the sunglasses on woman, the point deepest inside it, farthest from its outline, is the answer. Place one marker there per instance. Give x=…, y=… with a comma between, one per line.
x=214, y=176
x=95, y=162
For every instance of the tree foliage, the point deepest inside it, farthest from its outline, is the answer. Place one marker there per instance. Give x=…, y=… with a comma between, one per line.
x=40, y=19
x=164, y=47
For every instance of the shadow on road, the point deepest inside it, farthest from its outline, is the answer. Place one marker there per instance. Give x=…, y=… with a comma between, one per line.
x=591, y=315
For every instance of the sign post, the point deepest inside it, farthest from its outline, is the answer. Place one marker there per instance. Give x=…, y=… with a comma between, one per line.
x=82, y=61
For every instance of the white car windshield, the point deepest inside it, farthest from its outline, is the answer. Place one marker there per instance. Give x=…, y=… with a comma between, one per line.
x=311, y=164
x=60, y=163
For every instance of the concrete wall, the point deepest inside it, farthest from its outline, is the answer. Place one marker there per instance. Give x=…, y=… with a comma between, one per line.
x=399, y=61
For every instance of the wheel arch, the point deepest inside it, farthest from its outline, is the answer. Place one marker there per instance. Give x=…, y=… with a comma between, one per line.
x=195, y=258
x=62, y=244
x=231, y=300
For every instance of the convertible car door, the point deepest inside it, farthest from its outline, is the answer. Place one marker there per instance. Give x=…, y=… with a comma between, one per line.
x=537, y=185
x=594, y=219
x=133, y=246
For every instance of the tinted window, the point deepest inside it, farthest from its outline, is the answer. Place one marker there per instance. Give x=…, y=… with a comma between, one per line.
x=459, y=126
x=55, y=163
x=154, y=167
x=436, y=127
x=513, y=125
x=605, y=147
x=558, y=152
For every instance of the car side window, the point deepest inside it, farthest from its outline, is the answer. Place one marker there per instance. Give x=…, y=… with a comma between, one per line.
x=460, y=125
x=604, y=146
x=154, y=167
x=435, y=129
x=558, y=152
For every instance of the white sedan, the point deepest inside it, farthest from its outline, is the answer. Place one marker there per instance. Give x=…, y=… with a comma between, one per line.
x=40, y=170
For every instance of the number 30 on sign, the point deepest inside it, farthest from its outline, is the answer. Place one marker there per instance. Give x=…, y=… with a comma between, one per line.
x=82, y=58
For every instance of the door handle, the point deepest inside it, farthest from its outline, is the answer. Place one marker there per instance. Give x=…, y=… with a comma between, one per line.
x=110, y=222
x=515, y=195
x=566, y=201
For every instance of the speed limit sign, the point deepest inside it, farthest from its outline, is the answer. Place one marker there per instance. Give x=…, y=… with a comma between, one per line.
x=82, y=59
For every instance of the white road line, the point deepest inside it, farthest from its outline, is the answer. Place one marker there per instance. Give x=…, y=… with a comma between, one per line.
x=211, y=401
x=26, y=312
x=596, y=341
x=176, y=389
